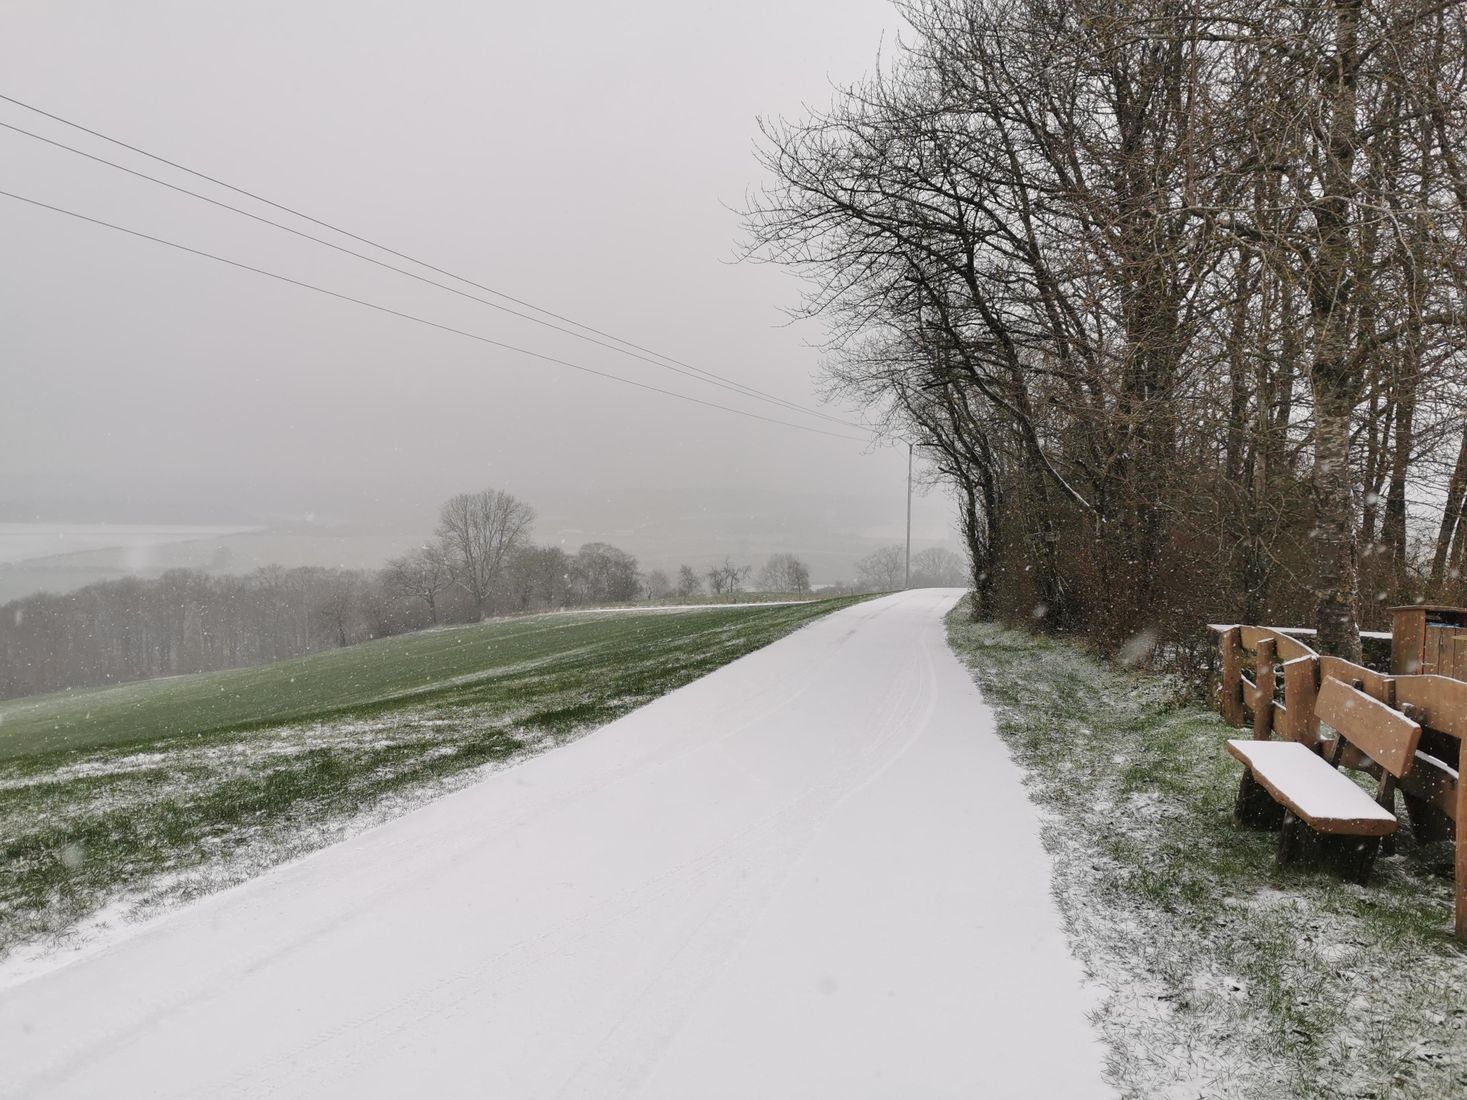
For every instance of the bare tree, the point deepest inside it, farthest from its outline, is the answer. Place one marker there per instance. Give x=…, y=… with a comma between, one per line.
x=728, y=578
x=478, y=532
x=422, y=575
x=539, y=577
x=688, y=582
x=785, y=573
x=938, y=567
x=337, y=606
x=882, y=570
x=601, y=573
x=1169, y=296
x=656, y=585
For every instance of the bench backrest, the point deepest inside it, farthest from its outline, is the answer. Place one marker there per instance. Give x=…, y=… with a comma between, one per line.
x=1441, y=700
x=1387, y=736
x=1377, y=685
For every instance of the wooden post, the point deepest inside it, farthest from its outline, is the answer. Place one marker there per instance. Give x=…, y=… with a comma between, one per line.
x=1408, y=638
x=1301, y=689
x=1230, y=695
x=1461, y=858
x=1266, y=679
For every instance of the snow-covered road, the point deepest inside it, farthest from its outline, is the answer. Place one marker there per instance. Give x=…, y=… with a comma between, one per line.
x=812, y=874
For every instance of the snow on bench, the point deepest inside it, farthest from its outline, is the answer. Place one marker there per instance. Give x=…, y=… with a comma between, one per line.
x=1317, y=794
x=1317, y=807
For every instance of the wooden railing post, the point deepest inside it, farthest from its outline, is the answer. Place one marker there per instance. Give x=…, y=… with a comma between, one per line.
x=1461, y=843
x=1266, y=679
x=1230, y=694
x=1301, y=689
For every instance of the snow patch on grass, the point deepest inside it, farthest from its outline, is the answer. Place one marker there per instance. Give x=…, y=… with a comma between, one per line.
x=235, y=856
x=95, y=839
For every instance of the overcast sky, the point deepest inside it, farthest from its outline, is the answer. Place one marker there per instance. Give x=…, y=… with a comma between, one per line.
x=580, y=155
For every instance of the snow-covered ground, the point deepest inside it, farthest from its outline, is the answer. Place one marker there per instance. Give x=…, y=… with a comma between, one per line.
x=813, y=873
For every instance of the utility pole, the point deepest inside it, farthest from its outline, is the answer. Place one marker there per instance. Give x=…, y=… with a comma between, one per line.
x=908, y=583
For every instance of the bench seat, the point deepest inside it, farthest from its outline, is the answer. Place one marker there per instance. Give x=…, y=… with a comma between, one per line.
x=1302, y=782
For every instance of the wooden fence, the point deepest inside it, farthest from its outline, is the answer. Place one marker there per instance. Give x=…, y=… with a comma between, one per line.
x=1279, y=699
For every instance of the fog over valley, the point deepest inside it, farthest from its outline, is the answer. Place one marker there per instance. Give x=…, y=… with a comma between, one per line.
x=147, y=385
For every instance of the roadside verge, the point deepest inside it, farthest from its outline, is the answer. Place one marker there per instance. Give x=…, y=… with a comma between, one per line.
x=1227, y=977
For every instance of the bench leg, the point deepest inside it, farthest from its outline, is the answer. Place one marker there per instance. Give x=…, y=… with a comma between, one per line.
x=1289, y=837
x=1298, y=843
x=1255, y=807
x=1429, y=823
x=1355, y=857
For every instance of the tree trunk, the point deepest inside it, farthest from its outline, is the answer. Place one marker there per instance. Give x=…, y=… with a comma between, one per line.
x=1451, y=516
x=1332, y=375
x=1337, y=557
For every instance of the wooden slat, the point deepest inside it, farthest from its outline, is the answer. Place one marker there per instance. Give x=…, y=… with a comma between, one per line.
x=1285, y=647
x=1434, y=783
x=1459, y=656
x=1314, y=792
x=1375, y=684
x=1432, y=662
x=1387, y=736
x=1442, y=700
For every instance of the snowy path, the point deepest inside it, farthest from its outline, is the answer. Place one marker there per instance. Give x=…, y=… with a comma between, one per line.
x=812, y=874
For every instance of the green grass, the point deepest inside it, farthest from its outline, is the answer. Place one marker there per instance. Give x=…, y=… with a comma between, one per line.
x=1224, y=976
x=147, y=793
x=387, y=673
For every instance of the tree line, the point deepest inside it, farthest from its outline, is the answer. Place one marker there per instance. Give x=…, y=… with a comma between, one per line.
x=1170, y=294
x=481, y=562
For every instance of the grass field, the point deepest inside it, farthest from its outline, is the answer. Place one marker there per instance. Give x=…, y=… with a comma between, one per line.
x=129, y=798
x=1226, y=976
x=390, y=672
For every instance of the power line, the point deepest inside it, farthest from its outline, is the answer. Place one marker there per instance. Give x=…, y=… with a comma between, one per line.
x=665, y=361
x=734, y=387
x=420, y=320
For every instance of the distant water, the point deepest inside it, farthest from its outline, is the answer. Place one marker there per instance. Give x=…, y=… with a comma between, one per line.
x=24, y=542
x=61, y=557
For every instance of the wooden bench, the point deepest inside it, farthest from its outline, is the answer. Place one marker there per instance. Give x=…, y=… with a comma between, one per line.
x=1318, y=807
x=1434, y=795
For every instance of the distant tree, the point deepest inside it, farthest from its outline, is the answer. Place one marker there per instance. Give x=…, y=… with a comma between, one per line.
x=538, y=577
x=478, y=532
x=422, y=575
x=183, y=621
x=785, y=573
x=603, y=574
x=656, y=584
x=688, y=582
x=385, y=610
x=336, y=606
x=728, y=578
x=882, y=570
x=938, y=567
